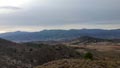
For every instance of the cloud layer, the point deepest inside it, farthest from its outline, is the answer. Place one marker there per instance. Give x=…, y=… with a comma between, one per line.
x=54, y=13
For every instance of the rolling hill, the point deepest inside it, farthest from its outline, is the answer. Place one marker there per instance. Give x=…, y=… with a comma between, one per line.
x=14, y=55
x=47, y=35
x=88, y=40
x=30, y=55
x=80, y=63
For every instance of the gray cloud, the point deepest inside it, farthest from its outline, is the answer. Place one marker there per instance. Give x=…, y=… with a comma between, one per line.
x=65, y=12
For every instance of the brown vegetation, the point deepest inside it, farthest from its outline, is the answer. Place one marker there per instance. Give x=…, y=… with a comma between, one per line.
x=80, y=63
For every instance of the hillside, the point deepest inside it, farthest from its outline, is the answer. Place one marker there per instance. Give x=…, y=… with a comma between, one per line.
x=13, y=55
x=105, y=54
x=6, y=42
x=80, y=63
x=30, y=55
x=89, y=40
x=47, y=35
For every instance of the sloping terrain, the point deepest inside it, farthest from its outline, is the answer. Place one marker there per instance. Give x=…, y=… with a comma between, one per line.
x=30, y=55
x=80, y=63
x=88, y=40
x=105, y=54
x=13, y=55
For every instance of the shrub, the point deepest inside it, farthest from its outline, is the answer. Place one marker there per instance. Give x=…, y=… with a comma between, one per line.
x=88, y=55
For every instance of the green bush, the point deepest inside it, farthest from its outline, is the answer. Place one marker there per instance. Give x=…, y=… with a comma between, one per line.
x=88, y=55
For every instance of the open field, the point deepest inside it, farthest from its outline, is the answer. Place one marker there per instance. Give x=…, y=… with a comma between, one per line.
x=103, y=46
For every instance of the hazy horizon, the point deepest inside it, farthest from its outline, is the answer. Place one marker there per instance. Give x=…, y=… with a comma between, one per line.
x=53, y=29
x=37, y=15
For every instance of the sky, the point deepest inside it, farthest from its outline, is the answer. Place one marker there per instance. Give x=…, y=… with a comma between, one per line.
x=36, y=15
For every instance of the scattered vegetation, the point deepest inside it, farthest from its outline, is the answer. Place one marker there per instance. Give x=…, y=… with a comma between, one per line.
x=30, y=55
x=80, y=63
x=88, y=55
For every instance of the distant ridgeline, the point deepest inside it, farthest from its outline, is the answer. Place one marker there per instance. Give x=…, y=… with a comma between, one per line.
x=47, y=35
x=88, y=39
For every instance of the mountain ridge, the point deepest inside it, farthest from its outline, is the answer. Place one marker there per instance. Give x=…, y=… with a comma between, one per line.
x=60, y=34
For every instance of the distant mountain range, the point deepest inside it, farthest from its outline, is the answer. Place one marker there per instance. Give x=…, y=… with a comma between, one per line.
x=46, y=35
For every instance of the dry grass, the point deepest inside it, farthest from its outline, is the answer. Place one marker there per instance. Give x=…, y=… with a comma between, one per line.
x=106, y=55
x=80, y=63
x=103, y=46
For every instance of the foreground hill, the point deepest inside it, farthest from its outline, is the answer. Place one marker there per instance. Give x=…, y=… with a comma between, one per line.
x=29, y=55
x=13, y=55
x=5, y=43
x=59, y=35
x=80, y=63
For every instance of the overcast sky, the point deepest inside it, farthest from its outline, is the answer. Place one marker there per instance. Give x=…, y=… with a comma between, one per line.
x=36, y=15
